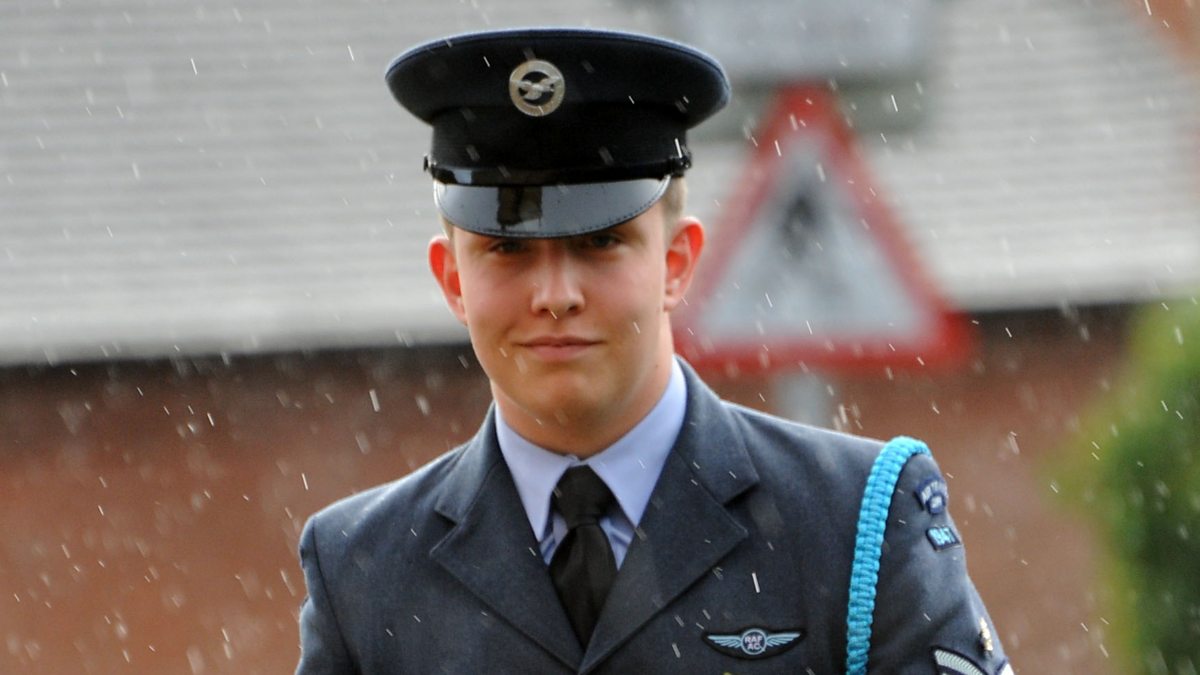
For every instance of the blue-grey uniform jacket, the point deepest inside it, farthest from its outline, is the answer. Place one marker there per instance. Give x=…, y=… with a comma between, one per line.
x=741, y=564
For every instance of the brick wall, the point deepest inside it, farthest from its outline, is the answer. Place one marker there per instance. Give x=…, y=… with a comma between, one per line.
x=151, y=510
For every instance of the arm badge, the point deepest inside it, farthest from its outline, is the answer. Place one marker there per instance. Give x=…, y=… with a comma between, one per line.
x=932, y=494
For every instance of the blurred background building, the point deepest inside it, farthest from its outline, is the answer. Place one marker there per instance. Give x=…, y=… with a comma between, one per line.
x=215, y=315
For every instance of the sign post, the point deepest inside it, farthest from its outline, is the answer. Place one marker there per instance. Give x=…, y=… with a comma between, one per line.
x=807, y=267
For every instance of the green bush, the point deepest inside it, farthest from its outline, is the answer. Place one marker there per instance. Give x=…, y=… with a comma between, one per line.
x=1136, y=470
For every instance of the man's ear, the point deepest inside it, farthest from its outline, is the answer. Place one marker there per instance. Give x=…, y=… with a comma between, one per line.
x=444, y=266
x=683, y=253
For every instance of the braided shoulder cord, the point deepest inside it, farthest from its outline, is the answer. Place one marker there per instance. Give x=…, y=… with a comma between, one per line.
x=868, y=546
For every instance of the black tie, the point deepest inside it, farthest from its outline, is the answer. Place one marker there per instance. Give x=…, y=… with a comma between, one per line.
x=583, y=567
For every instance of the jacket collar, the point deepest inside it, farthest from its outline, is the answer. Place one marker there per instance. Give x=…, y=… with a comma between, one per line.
x=687, y=528
x=492, y=551
x=685, y=531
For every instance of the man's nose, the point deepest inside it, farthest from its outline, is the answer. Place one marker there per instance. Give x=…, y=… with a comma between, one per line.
x=556, y=285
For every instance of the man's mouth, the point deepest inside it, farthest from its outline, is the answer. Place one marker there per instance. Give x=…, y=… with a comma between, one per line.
x=557, y=347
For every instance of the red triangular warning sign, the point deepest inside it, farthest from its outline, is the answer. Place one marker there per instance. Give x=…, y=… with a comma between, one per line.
x=807, y=267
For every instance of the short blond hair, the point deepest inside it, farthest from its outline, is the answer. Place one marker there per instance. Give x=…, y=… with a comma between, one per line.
x=674, y=200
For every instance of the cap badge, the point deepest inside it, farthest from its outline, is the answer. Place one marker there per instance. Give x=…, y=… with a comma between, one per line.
x=536, y=87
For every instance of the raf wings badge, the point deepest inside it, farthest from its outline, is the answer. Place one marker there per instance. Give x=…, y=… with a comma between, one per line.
x=754, y=643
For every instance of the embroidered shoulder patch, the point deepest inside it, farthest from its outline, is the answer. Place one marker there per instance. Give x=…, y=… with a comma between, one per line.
x=754, y=642
x=942, y=537
x=933, y=495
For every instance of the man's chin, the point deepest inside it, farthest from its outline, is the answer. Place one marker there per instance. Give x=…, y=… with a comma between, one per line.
x=566, y=406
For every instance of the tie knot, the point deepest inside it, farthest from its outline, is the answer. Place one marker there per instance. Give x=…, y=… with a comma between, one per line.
x=581, y=496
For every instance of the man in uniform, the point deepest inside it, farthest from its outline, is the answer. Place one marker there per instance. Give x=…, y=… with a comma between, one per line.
x=611, y=515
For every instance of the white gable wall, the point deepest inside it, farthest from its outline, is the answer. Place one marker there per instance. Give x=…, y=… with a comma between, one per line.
x=222, y=177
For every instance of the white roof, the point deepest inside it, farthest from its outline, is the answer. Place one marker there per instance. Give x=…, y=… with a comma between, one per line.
x=225, y=177
x=1060, y=162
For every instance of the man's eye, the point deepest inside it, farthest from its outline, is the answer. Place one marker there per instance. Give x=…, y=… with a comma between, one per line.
x=507, y=246
x=601, y=240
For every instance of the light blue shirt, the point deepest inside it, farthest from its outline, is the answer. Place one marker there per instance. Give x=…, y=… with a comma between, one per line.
x=630, y=467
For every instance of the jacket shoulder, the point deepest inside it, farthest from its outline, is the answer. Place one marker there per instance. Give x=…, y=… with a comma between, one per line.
x=773, y=440
x=362, y=518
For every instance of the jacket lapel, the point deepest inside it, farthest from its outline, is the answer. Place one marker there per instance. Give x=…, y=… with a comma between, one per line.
x=492, y=551
x=686, y=529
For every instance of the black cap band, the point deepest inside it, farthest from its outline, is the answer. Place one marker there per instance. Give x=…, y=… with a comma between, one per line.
x=602, y=142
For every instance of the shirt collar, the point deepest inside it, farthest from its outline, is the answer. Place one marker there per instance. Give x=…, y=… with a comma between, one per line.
x=630, y=466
